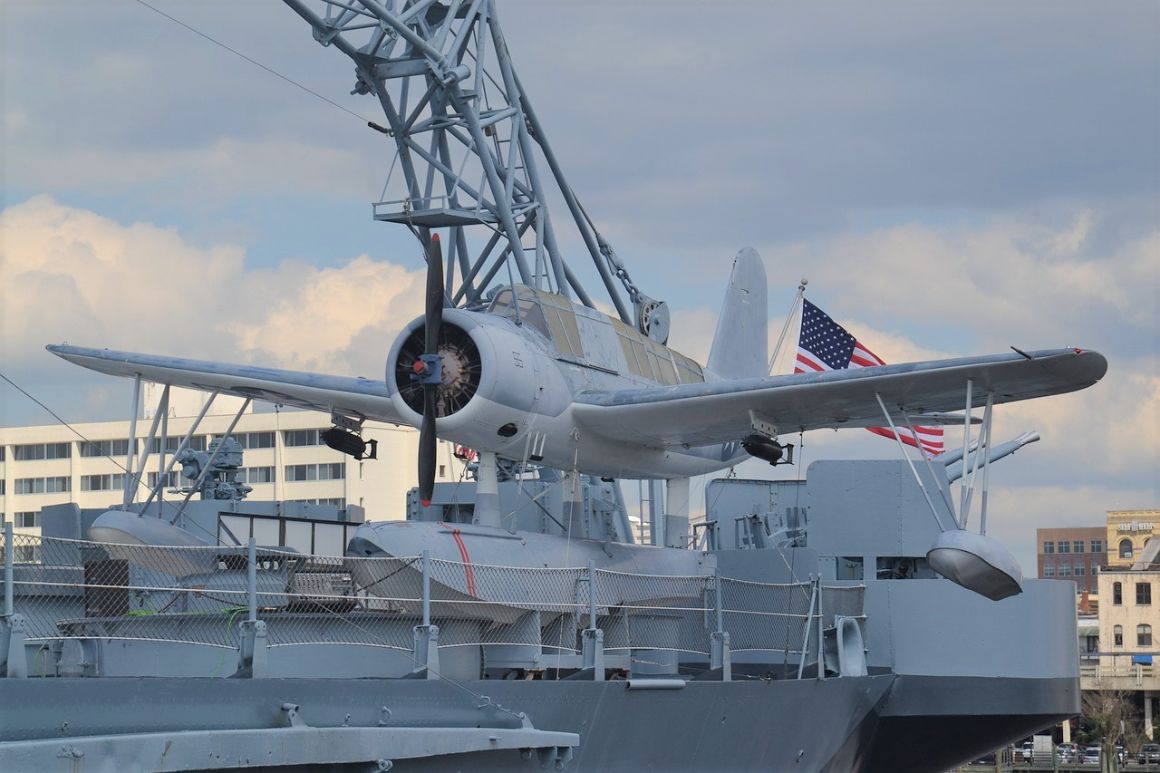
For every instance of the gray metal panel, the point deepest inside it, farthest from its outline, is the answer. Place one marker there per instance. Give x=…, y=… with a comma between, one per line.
x=936, y=628
x=758, y=725
x=869, y=508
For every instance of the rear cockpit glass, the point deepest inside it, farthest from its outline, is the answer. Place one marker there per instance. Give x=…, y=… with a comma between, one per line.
x=550, y=314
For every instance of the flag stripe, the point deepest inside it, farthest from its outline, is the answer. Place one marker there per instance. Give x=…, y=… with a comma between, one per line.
x=825, y=345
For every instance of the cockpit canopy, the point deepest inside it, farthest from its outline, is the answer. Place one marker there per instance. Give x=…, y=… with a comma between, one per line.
x=555, y=317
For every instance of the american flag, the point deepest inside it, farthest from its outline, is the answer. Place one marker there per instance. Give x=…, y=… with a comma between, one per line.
x=826, y=345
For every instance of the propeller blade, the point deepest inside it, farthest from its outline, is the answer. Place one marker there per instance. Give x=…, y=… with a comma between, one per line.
x=427, y=449
x=433, y=321
x=433, y=318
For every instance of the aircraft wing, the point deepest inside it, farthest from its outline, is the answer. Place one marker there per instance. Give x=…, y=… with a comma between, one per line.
x=719, y=411
x=354, y=397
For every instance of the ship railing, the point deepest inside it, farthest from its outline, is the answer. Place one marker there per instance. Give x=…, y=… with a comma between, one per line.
x=232, y=597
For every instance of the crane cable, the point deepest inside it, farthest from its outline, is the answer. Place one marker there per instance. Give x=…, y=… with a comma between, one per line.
x=254, y=62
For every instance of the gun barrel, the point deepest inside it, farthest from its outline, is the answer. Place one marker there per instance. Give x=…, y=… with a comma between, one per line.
x=955, y=467
x=950, y=457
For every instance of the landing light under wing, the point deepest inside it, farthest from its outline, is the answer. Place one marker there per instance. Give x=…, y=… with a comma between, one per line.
x=715, y=412
x=330, y=394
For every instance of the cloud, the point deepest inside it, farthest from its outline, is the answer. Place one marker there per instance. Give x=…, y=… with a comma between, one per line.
x=218, y=167
x=1009, y=279
x=71, y=275
x=332, y=320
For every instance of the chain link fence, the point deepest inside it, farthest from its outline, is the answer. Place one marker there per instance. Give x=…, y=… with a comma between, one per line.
x=198, y=595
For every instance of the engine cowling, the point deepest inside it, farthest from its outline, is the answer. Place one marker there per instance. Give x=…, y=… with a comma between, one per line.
x=495, y=380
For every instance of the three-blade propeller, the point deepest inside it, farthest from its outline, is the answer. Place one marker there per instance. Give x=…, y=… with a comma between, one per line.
x=428, y=369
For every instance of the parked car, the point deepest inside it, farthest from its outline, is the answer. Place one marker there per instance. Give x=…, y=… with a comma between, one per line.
x=1090, y=755
x=1149, y=754
x=1028, y=750
x=1067, y=752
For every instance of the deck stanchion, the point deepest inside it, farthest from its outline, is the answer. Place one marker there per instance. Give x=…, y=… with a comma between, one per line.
x=426, y=636
x=593, y=637
x=719, y=655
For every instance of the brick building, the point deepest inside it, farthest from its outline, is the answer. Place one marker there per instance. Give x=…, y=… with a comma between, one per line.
x=1075, y=553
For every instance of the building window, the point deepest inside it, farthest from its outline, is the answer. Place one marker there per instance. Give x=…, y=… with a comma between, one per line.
x=50, y=485
x=32, y=451
x=1079, y=570
x=1048, y=548
x=29, y=519
x=1065, y=570
x=172, y=479
x=112, y=482
x=1077, y=546
x=1, y=453
x=301, y=472
x=324, y=501
x=1143, y=593
x=1118, y=633
x=301, y=437
x=256, y=474
x=197, y=443
x=1125, y=548
x=1144, y=636
x=91, y=448
x=1, y=487
x=1064, y=546
x=250, y=440
x=26, y=554
x=1117, y=593
x=1097, y=546
x=1049, y=570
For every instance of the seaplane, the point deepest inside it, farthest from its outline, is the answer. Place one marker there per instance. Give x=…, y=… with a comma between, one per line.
x=536, y=377
x=532, y=370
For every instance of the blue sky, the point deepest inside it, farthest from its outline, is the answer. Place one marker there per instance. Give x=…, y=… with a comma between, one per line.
x=953, y=179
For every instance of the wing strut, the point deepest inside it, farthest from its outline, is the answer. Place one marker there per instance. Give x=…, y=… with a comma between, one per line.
x=166, y=468
x=974, y=561
x=205, y=468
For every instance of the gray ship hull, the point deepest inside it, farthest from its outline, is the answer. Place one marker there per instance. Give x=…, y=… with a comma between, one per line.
x=876, y=723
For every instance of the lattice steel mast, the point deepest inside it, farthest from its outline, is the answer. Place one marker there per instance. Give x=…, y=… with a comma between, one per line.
x=466, y=138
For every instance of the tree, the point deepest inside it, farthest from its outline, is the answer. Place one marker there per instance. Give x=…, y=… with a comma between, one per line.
x=1111, y=714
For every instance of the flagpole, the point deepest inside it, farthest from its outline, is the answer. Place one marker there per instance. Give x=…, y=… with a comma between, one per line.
x=797, y=299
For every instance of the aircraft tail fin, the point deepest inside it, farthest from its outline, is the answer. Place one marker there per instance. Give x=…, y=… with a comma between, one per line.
x=741, y=342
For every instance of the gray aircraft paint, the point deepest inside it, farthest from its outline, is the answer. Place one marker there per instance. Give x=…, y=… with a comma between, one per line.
x=741, y=341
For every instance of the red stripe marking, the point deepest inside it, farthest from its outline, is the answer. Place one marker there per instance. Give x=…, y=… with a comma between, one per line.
x=934, y=447
x=858, y=347
x=467, y=571
x=804, y=360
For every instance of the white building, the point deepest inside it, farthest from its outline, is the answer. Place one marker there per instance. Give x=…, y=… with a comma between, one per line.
x=284, y=460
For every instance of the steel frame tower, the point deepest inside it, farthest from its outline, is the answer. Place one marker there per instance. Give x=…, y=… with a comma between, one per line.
x=468, y=148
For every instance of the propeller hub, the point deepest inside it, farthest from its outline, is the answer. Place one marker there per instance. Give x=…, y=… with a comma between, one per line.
x=459, y=369
x=427, y=369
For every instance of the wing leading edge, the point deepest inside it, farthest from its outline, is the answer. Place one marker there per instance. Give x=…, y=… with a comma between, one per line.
x=717, y=412
x=355, y=397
